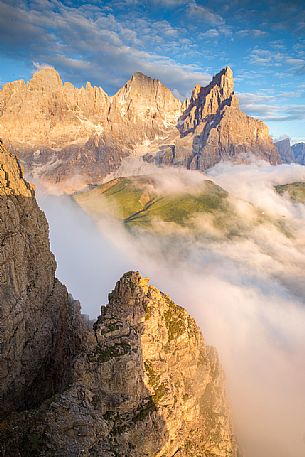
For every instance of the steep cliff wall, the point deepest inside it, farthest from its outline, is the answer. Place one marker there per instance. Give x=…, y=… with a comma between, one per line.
x=38, y=320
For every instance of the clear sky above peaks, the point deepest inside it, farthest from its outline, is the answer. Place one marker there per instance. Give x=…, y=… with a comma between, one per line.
x=181, y=42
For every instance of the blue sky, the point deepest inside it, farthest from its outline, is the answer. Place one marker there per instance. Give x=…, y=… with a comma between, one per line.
x=181, y=42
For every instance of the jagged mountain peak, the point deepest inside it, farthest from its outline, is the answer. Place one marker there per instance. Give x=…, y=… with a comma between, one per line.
x=143, y=83
x=213, y=128
x=208, y=100
x=226, y=73
x=225, y=80
x=46, y=76
x=222, y=85
x=138, y=75
x=147, y=105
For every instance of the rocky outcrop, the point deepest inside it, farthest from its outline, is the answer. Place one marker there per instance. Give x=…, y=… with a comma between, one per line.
x=40, y=322
x=285, y=150
x=147, y=386
x=61, y=132
x=213, y=129
x=298, y=151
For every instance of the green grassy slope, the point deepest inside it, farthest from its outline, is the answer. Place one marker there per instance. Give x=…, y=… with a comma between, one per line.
x=295, y=190
x=140, y=202
x=205, y=209
x=136, y=201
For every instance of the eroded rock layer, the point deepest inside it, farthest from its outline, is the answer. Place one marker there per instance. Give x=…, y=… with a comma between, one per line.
x=147, y=386
x=38, y=320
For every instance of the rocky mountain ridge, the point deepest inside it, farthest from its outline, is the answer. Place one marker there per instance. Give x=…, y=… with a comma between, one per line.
x=77, y=136
x=291, y=153
x=213, y=128
x=81, y=133
x=142, y=383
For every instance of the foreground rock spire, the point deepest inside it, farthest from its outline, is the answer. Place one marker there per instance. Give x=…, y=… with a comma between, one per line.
x=148, y=385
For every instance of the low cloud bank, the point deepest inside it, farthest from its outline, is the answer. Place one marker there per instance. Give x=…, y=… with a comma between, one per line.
x=247, y=293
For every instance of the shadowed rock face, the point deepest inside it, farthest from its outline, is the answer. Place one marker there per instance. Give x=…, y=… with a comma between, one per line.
x=298, y=151
x=39, y=321
x=147, y=386
x=285, y=150
x=71, y=137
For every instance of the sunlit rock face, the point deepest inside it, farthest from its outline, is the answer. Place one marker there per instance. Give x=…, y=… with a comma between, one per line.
x=147, y=105
x=62, y=132
x=213, y=129
x=38, y=319
x=285, y=150
x=72, y=137
x=45, y=113
x=147, y=386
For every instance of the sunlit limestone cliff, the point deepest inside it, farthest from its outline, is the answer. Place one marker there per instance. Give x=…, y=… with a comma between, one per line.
x=213, y=128
x=76, y=136
x=142, y=383
x=71, y=137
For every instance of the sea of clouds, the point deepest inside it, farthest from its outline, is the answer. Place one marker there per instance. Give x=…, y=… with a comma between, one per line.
x=247, y=293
